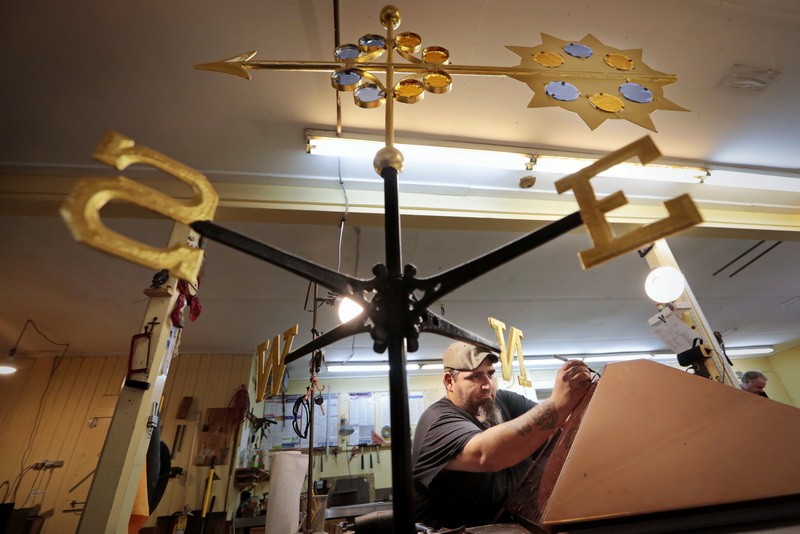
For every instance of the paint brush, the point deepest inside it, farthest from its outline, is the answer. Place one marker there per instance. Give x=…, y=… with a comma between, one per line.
x=563, y=359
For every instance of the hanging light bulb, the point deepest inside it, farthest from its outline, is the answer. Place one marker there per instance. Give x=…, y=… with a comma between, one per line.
x=8, y=366
x=348, y=309
x=664, y=284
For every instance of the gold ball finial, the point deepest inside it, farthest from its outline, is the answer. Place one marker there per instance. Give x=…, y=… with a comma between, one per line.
x=388, y=156
x=390, y=17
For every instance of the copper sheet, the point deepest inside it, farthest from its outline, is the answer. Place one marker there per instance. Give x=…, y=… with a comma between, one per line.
x=654, y=439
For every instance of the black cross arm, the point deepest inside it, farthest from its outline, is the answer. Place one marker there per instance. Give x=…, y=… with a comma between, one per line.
x=435, y=287
x=434, y=324
x=355, y=326
x=337, y=282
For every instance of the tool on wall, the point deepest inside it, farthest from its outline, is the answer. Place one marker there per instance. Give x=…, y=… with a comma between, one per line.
x=179, y=429
x=212, y=476
x=140, y=352
x=180, y=519
x=238, y=413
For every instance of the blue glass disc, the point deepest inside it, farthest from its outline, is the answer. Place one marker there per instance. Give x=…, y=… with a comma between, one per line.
x=563, y=91
x=368, y=93
x=578, y=50
x=346, y=77
x=372, y=41
x=347, y=51
x=636, y=93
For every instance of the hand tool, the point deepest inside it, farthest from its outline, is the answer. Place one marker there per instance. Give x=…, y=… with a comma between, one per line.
x=563, y=359
x=207, y=496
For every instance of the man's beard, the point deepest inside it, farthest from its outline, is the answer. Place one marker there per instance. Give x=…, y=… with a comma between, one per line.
x=489, y=413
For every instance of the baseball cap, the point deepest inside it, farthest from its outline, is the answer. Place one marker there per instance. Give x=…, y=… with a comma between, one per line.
x=465, y=357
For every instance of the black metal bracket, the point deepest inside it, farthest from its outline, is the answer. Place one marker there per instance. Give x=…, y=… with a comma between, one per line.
x=373, y=294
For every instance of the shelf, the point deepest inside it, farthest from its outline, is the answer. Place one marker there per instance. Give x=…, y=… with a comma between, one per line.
x=249, y=477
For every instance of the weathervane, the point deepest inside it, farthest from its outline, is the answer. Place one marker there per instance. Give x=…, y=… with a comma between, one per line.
x=595, y=81
x=395, y=300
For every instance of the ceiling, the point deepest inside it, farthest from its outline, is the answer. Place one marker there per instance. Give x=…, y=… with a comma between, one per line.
x=75, y=73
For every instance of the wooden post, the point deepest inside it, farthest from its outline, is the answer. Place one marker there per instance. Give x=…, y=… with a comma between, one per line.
x=110, y=499
x=719, y=369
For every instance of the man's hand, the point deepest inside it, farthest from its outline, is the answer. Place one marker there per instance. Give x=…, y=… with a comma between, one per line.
x=509, y=443
x=572, y=383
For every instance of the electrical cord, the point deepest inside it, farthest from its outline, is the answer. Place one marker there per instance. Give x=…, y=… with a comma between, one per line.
x=240, y=405
x=14, y=487
x=357, y=230
x=33, y=489
x=344, y=215
x=37, y=420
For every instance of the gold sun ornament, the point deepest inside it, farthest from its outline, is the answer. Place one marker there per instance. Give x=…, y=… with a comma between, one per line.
x=595, y=81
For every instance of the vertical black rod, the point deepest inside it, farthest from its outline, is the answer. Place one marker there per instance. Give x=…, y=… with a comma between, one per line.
x=336, y=45
x=392, y=222
x=402, y=490
x=310, y=481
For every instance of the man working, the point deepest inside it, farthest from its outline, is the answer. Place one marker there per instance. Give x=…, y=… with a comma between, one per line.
x=754, y=382
x=472, y=447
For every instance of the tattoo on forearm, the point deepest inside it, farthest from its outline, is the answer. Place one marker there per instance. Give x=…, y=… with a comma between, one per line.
x=542, y=417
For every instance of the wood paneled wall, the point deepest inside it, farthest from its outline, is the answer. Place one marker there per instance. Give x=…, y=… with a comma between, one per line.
x=65, y=414
x=211, y=380
x=56, y=412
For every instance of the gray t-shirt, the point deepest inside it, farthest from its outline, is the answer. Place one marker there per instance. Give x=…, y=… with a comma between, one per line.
x=455, y=498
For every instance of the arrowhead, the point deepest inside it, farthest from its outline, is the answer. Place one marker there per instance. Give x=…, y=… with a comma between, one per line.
x=232, y=65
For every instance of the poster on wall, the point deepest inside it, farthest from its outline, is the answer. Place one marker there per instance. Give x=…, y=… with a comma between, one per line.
x=274, y=410
x=292, y=420
x=362, y=418
x=416, y=406
x=326, y=422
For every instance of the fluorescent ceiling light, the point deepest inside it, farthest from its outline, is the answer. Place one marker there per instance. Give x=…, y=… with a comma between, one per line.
x=665, y=357
x=617, y=358
x=537, y=362
x=7, y=370
x=545, y=362
x=324, y=144
x=357, y=368
x=367, y=368
x=749, y=351
x=327, y=143
x=746, y=179
x=636, y=171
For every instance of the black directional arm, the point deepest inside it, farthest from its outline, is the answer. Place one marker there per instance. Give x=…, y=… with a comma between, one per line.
x=436, y=287
x=340, y=283
x=355, y=326
x=434, y=324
